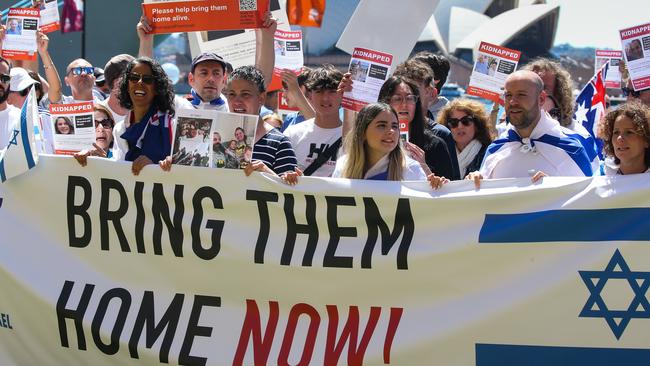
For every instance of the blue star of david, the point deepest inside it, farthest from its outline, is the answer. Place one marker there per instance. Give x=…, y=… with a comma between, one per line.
x=13, y=138
x=596, y=308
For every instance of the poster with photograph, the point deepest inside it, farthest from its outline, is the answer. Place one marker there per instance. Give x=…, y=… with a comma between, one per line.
x=288, y=55
x=235, y=46
x=636, y=49
x=492, y=67
x=213, y=139
x=20, y=36
x=613, y=79
x=49, y=14
x=73, y=126
x=200, y=15
x=369, y=70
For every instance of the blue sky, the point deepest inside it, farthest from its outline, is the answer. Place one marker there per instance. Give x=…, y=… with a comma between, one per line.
x=596, y=23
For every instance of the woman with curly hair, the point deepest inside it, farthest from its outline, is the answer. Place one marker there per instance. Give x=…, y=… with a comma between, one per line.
x=626, y=134
x=145, y=135
x=558, y=83
x=468, y=122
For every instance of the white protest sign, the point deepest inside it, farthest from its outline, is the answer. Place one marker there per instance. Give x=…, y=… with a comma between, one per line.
x=210, y=267
x=636, y=49
x=613, y=79
x=492, y=67
x=73, y=126
x=383, y=25
x=20, y=37
x=369, y=70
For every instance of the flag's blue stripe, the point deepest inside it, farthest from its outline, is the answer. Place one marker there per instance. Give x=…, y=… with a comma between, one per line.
x=24, y=134
x=511, y=355
x=630, y=224
x=3, y=176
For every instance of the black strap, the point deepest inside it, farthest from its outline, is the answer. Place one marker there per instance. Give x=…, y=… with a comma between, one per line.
x=322, y=158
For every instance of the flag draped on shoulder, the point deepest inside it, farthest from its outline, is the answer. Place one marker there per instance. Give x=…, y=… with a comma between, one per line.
x=590, y=103
x=306, y=13
x=20, y=154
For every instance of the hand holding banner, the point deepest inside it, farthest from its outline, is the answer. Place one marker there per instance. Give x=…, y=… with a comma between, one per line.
x=202, y=15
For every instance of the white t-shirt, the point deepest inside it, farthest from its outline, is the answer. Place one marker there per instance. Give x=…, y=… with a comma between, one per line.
x=412, y=170
x=9, y=118
x=309, y=140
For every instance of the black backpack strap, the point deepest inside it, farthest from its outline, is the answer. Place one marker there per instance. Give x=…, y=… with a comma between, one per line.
x=322, y=158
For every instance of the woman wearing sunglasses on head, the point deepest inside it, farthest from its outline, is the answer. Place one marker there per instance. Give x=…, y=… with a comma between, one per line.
x=468, y=122
x=373, y=150
x=104, y=124
x=145, y=135
x=626, y=135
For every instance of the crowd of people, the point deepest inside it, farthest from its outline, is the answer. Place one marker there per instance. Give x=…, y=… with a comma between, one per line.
x=135, y=118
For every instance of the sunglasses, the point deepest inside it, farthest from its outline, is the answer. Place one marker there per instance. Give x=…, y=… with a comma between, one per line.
x=4, y=78
x=106, y=123
x=466, y=121
x=398, y=99
x=631, y=92
x=82, y=70
x=136, y=78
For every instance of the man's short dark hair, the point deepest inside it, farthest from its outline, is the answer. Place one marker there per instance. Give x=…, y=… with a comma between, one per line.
x=303, y=76
x=438, y=64
x=415, y=70
x=115, y=67
x=326, y=77
x=250, y=74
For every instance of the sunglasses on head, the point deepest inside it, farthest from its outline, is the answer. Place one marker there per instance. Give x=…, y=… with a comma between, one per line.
x=82, y=70
x=106, y=123
x=135, y=78
x=4, y=78
x=466, y=121
x=631, y=92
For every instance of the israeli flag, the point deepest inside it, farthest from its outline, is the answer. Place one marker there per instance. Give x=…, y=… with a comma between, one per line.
x=20, y=154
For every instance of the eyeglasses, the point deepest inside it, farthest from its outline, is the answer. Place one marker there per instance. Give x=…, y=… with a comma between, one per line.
x=408, y=99
x=4, y=78
x=631, y=92
x=106, y=123
x=82, y=70
x=136, y=78
x=466, y=121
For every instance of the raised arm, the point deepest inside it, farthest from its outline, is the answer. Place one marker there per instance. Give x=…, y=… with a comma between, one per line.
x=264, y=52
x=295, y=93
x=146, y=39
x=51, y=75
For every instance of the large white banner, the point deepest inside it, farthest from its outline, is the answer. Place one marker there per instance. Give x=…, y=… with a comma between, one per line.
x=209, y=267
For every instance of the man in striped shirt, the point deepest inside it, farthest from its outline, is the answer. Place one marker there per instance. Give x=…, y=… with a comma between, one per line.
x=272, y=152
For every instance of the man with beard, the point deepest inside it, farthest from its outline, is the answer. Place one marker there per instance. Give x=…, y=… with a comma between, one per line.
x=9, y=115
x=535, y=145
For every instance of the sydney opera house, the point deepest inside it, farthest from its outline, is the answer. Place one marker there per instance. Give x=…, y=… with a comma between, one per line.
x=455, y=29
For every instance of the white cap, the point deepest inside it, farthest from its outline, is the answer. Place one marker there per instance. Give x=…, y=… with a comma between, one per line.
x=20, y=79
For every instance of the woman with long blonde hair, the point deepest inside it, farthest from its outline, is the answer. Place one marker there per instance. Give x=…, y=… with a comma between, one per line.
x=373, y=150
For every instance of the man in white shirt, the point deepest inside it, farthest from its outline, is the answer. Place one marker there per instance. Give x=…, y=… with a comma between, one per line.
x=9, y=115
x=535, y=145
x=322, y=134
